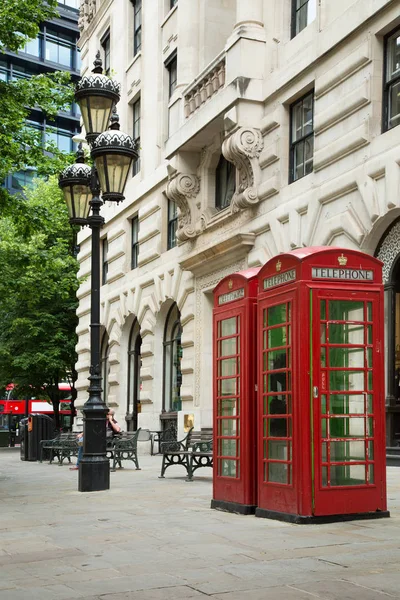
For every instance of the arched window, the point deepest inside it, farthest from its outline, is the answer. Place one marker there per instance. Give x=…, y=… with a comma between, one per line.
x=225, y=183
x=172, y=361
x=134, y=363
x=105, y=351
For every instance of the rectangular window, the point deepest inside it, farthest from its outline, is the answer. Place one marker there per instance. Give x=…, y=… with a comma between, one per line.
x=392, y=81
x=136, y=135
x=172, y=67
x=172, y=224
x=301, y=137
x=33, y=47
x=105, y=261
x=303, y=13
x=137, y=26
x=135, y=242
x=105, y=44
x=59, y=48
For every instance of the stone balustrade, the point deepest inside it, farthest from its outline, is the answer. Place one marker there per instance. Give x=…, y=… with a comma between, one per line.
x=209, y=82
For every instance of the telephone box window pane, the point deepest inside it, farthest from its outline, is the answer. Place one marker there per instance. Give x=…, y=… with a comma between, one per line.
x=370, y=473
x=346, y=357
x=277, y=337
x=228, y=468
x=229, y=407
x=278, y=428
x=324, y=452
x=349, y=451
x=371, y=450
x=277, y=405
x=323, y=404
x=370, y=406
x=370, y=427
x=347, y=404
x=369, y=357
x=277, y=315
x=369, y=311
x=278, y=472
x=279, y=450
x=323, y=334
x=228, y=427
x=227, y=447
x=227, y=387
x=325, y=476
x=228, y=327
x=347, y=475
x=324, y=428
x=369, y=334
x=322, y=305
x=277, y=360
x=346, y=333
x=346, y=380
x=345, y=427
x=278, y=382
x=370, y=380
x=346, y=310
x=228, y=347
x=229, y=366
x=323, y=357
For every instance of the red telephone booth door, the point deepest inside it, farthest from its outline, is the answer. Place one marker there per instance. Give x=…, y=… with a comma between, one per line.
x=347, y=390
x=278, y=402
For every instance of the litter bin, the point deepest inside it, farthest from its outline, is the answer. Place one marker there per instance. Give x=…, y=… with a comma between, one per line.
x=23, y=433
x=4, y=438
x=40, y=427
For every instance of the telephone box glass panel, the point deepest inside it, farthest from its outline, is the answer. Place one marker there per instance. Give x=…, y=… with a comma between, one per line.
x=347, y=401
x=277, y=396
x=228, y=397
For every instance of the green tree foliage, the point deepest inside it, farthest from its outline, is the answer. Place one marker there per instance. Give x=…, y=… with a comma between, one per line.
x=38, y=287
x=21, y=145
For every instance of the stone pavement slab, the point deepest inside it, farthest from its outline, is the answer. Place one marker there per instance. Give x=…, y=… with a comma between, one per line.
x=152, y=539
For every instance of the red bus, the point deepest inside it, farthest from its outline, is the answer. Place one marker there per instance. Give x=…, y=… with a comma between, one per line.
x=13, y=409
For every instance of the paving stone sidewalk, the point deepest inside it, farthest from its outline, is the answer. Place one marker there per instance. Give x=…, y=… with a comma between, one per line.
x=157, y=539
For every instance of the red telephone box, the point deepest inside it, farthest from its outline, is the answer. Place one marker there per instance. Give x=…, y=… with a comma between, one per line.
x=321, y=437
x=234, y=366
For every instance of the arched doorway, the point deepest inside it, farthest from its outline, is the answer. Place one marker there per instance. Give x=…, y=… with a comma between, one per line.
x=389, y=253
x=172, y=379
x=134, y=381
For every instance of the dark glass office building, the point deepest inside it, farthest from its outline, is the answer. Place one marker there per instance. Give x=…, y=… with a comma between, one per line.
x=55, y=49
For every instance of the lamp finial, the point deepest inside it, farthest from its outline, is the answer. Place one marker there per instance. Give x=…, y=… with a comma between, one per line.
x=80, y=155
x=114, y=121
x=98, y=64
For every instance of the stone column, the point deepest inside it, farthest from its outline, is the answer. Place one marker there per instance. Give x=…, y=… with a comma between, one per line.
x=249, y=12
x=188, y=41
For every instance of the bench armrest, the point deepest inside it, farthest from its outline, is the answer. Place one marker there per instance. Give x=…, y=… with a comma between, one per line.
x=205, y=446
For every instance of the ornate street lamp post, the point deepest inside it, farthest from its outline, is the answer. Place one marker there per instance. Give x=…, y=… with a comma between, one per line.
x=112, y=152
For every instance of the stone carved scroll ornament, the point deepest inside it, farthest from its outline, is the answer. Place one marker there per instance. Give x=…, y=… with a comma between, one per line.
x=182, y=189
x=243, y=149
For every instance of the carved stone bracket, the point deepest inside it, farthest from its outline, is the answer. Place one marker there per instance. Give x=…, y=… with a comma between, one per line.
x=243, y=149
x=181, y=189
x=87, y=10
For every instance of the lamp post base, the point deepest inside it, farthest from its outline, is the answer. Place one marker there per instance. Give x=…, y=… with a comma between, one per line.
x=94, y=474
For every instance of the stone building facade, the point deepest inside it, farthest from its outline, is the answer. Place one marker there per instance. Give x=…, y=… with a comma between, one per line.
x=264, y=126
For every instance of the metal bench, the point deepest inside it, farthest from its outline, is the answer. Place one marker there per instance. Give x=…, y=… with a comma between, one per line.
x=61, y=447
x=200, y=456
x=176, y=452
x=123, y=447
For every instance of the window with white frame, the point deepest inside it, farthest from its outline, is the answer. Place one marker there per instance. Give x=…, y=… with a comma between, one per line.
x=136, y=135
x=302, y=137
x=172, y=224
x=392, y=81
x=225, y=183
x=135, y=242
x=303, y=13
x=137, y=26
x=106, y=46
